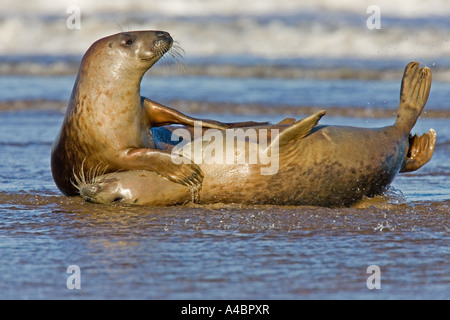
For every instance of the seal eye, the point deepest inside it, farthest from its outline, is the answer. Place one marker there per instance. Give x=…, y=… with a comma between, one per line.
x=129, y=42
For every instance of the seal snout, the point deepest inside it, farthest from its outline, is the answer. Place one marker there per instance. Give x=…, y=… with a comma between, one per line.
x=88, y=192
x=163, y=38
x=163, y=35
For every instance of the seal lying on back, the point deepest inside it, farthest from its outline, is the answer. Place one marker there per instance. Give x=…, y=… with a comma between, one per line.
x=108, y=122
x=331, y=166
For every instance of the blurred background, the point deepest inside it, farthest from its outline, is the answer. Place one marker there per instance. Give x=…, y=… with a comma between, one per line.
x=317, y=33
x=265, y=29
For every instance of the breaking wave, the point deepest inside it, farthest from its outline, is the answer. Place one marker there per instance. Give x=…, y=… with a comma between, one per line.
x=270, y=29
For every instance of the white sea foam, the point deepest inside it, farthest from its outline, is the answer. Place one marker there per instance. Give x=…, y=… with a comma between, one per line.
x=402, y=8
x=413, y=29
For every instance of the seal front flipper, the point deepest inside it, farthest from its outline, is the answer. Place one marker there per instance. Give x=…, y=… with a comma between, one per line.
x=245, y=124
x=157, y=115
x=287, y=121
x=161, y=162
x=420, y=151
x=299, y=129
x=285, y=143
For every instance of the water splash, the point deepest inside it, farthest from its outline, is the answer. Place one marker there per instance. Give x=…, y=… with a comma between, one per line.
x=195, y=193
x=383, y=226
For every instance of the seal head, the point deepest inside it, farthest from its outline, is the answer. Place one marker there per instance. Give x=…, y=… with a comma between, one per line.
x=108, y=122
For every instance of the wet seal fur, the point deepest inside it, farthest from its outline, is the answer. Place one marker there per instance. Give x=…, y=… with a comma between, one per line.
x=332, y=166
x=107, y=121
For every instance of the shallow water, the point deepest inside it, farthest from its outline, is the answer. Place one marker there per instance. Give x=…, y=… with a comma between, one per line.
x=370, y=94
x=216, y=251
x=285, y=58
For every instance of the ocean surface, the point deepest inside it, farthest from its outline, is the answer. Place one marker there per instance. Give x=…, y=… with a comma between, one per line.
x=242, y=61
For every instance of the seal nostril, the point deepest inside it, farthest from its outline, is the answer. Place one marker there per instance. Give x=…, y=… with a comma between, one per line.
x=163, y=34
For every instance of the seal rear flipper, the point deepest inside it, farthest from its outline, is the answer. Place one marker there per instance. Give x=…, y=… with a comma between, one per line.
x=157, y=115
x=420, y=151
x=416, y=85
x=298, y=130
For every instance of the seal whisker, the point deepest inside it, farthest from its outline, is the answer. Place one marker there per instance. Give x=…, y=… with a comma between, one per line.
x=90, y=173
x=77, y=183
x=101, y=172
x=176, y=52
x=96, y=173
x=83, y=179
x=163, y=59
x=82, y=176
x=80, y=180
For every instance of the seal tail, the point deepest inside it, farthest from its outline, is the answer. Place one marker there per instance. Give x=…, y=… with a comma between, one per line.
x=416, y=84
x=420, y=151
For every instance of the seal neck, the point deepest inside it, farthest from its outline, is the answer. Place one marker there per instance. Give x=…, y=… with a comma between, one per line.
x=106, y=97
x=116, y=83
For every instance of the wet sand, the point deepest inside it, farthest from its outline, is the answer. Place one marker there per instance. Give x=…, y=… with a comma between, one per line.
x=220, y=108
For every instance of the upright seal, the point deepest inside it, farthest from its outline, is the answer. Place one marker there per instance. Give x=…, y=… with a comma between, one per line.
x=108, y=122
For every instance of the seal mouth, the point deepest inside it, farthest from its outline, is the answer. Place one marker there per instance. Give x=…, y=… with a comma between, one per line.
x=160, y=46
x=174, y=55
x=158, y=51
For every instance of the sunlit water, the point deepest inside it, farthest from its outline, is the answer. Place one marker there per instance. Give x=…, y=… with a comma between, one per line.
x=242, y=62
